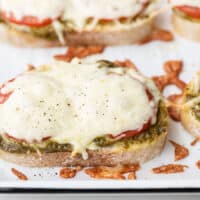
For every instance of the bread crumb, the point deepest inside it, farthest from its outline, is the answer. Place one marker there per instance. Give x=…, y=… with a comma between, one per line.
x=19, y=174
x=169, y=169
x=180, y=151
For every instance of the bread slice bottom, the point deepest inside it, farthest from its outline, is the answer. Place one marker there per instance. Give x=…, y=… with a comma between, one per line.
x=134, y=33
x=106, y=156
x=186, y=28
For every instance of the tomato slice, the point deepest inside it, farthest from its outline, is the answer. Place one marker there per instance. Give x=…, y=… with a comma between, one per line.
x=131, y=133
x=31, y=21
x=191, y=11
x=13, y=138
x=22, y=140
x=4, y=97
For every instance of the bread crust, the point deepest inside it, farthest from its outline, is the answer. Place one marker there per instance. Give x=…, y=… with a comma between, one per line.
x=133, y=34
x=188, y=120
x=186, y=28
x=190, y=123
x=105, y=156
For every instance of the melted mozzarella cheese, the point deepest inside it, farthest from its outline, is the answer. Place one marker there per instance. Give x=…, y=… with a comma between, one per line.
x=41, y=8
x=195, y=3
x=80, y=10
x=75, y=103
x=77, y=11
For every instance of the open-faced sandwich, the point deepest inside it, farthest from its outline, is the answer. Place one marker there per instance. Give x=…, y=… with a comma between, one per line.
x=186, y=18
x=42, y=23
x=190, y=112
x=79, y=113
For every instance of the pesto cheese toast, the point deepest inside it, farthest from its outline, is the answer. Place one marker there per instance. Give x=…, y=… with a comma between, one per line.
x=190, y=111
x=72, y=22
x=78, y=113
x=186, y=18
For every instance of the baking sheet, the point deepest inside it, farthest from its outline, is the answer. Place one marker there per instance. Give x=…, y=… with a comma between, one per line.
x=149, y=59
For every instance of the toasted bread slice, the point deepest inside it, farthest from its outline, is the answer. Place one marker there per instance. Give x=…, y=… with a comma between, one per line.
x=190, y=115
x=186, y=28
x=55, y=112
x=134, y=33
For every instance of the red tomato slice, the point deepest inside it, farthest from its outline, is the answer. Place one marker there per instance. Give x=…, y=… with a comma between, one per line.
x=4, y=97
x=31, y=21
x=190, y=11
x=131, y=133
x=135, y=132
x=107, y=20
x=13, y=138
x=22, y=140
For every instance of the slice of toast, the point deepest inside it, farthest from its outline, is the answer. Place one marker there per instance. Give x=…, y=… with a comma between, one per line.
x=134, y=33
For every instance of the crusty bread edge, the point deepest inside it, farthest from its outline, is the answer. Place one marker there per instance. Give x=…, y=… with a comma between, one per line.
x=104, y=156
x=186, y=28
x=189, y=122
x=133, y=34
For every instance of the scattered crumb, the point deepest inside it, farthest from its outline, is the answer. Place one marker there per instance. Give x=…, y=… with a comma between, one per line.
x=118, y=172
x=68, y=172
x=19, y=174
x=132, y=176
x=79, y=52
x=169, y=169
x=180, y=151
x=194, y=141
x=172, y=68
x=159, y=34
x=198, y=164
